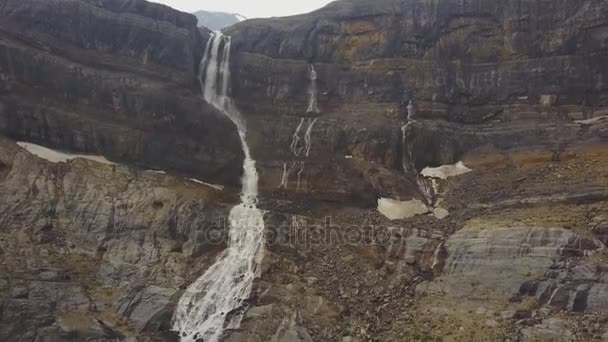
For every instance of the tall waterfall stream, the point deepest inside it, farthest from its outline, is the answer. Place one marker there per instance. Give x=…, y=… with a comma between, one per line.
x=211, y=304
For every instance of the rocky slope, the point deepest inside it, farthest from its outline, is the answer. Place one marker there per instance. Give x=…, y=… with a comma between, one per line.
x=96, y=252
x=112, y=77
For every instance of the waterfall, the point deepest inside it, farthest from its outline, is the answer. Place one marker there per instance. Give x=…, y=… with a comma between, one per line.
x=215, y=300
x=307, y=141
x=298, y=149
x=285, y=176
x=299, y=182
x=313, y=107
x=295, y=147
x=425, y=185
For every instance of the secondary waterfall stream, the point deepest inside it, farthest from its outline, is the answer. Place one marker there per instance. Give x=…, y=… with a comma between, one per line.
x=213, y=302
x=425, y=185
x=298, y=148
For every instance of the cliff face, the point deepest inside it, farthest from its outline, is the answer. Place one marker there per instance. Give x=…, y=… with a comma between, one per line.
x=112, y=77
x=516, y=89
x=482, y=74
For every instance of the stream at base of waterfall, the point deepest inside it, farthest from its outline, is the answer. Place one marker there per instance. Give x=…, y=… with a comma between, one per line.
x=215, y=301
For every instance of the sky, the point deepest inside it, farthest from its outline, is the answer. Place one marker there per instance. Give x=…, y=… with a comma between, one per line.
x=249, y=8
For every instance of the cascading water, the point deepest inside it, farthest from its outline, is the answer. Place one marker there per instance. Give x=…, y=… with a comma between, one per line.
x=313, y=106
x=425, y=185
x=213, y=301
x=295, y=147
x=300, y=147
x=307, y=139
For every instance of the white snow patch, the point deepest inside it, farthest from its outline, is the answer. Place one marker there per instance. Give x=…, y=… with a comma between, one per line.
x=158, y=172
x=592, y=121
x=397, y=210
x=240, y=17
x=445, y=171
x=59, y=157
x=348, y=157
x=214, y=186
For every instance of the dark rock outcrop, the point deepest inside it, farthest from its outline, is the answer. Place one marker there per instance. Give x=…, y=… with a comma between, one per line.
x=117, y=78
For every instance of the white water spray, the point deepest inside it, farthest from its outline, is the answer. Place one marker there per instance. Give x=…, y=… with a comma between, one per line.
x=301, y=185
x=307, y=140
x=313, y=106
x=215, y=300
x=295, y=147
x=286, y=173
x=300, y=146
x=425, y=185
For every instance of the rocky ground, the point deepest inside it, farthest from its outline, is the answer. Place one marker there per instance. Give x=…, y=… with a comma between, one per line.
x=92, y=251
x=97, y=252
x=521, y=257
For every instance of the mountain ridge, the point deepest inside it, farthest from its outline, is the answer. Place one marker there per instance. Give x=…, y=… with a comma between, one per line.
x=217, y=20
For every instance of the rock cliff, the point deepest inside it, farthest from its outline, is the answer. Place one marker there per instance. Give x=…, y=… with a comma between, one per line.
x=515, y=89
x=117, y=78
x=482, y=74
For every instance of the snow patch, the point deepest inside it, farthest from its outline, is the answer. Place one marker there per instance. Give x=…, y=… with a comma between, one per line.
x=348, y=157
x=592, y=121
x=240, y=17
x=445, y=171
x=59, y=157
x=214, y=186
x=158, y=172
x=397, y=210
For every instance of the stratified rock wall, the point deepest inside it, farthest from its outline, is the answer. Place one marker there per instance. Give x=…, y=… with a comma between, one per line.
x=497, y=74
x=117, y=78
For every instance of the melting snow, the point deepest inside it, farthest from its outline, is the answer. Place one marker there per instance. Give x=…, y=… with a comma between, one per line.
x=159, y=172
x=59, y=157
x=445, y=171
x=397, y=210
x=592, y=120
x=215, y=186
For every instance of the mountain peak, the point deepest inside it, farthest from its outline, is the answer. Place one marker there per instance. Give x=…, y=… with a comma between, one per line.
x=217, y=20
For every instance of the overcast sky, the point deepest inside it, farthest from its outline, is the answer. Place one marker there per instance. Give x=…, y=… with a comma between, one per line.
x=249, y=8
